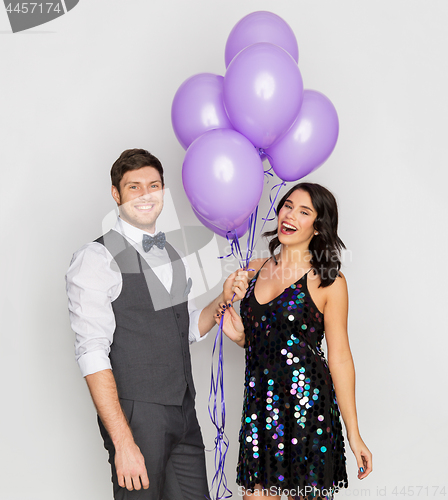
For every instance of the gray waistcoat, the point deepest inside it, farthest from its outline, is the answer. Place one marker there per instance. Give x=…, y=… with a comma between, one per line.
x=150, y=354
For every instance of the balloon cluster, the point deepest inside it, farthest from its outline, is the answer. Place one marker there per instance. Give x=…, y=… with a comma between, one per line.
x=258, y=109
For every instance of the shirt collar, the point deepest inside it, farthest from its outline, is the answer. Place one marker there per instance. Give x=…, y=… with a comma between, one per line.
x=131, y=232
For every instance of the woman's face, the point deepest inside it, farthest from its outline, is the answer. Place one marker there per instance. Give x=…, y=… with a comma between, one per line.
x=296, y=219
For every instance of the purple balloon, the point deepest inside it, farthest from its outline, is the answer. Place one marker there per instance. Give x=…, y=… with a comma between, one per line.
x=198, y=107
x=261, y=27
x=262, y=93
x=240, y=230
x=309, y=142
x=223, y=177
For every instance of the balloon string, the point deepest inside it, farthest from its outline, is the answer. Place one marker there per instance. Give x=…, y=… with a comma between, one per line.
x=236, y=243
x=272, y=207
x=218, y=418
x=250, y=237
x=234, y=246
x=268, y=173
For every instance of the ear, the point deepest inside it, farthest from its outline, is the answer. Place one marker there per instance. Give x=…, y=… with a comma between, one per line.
x=116, y=195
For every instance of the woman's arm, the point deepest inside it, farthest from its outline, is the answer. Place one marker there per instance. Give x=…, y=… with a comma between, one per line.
x=234, y=289
x=342, y=369
x=232, y=325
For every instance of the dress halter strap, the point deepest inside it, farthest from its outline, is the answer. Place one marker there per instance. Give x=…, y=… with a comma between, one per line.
x=267, y=260
x=258, y=272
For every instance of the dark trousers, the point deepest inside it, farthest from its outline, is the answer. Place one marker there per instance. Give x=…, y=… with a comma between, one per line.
x=170, y=439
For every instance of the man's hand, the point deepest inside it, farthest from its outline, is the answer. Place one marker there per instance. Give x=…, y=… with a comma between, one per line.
x=237, y=284
x=129, y=461
x=130, y=467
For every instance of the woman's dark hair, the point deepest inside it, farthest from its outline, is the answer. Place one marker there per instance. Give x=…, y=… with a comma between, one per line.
x=133, y=159
x=325, y=247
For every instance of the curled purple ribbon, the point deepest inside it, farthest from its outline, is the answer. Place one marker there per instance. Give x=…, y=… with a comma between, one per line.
x=217, y=412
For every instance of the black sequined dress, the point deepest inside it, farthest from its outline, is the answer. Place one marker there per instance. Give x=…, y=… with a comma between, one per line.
x=291, y=434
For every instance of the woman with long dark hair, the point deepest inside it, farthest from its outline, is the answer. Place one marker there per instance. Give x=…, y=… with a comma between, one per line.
x=291, y=438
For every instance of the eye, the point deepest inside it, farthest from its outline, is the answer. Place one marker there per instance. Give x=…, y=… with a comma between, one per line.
x=305, y=213
x=287, y=205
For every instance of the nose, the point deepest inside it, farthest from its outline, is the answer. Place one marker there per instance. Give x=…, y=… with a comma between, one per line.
x=290, y=214
x=146, y=192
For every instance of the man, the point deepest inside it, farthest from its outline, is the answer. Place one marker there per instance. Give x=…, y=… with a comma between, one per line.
x=129, y=309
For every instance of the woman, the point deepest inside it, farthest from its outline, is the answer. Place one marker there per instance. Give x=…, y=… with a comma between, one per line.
x=291, y=436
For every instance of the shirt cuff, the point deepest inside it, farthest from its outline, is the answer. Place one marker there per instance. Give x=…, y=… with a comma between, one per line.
x=193, y=333
x=94, y=361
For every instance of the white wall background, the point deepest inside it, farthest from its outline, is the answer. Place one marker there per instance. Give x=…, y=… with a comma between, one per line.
x=101, y=79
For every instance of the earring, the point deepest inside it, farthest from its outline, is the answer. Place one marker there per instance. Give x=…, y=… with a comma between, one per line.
x=316, y=232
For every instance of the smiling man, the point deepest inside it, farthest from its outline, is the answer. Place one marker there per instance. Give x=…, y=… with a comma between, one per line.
x=139, y=194
x=129, y=307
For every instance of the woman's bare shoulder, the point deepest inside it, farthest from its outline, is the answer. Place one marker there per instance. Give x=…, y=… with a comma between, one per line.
x=329, y=297
x=338, y=282
x=338, y=287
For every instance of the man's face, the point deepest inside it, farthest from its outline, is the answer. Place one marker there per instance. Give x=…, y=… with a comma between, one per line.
x=140, y=199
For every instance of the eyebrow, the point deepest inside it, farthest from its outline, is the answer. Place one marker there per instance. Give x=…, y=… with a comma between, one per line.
x=302, y=206
x=138, y=182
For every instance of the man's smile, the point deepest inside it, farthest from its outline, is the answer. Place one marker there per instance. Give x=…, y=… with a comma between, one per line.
x=144, y=208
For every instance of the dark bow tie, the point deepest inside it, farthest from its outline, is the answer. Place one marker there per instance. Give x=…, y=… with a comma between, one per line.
x=149, y=241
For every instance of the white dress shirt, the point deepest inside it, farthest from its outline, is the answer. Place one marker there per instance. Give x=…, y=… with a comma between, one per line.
x=94, y=282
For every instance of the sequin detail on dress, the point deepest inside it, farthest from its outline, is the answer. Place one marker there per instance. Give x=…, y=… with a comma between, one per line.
x=291, y=434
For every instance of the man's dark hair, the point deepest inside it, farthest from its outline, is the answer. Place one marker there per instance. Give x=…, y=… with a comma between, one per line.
x=133, y=159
